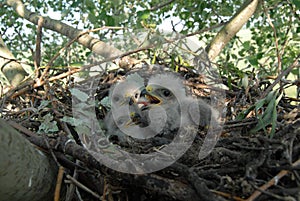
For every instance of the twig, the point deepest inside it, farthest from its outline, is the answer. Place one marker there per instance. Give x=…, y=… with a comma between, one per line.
x=206, y=29
x=276, y=38
x=37, y=56
x=272, y=182
x=71, y=189
x=277, y=197
x=227, y=195
x=281, y=75
x=22, y=129
x=83, y=187
x=159, y=6
x=50, y=63
x=196, y=182
x=25, y=43
x=58, y=183
x=60, y=76
x=15, y=60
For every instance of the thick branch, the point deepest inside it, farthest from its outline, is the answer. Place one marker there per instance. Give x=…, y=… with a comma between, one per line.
x=230, y=29
x=151, y=182
x=97, y=46
x=26, y=173
x=12, y=70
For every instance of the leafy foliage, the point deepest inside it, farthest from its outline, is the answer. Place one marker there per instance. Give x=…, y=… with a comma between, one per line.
x=258, y=52
x=269, y=43
x=273, y=23
x=267, y=117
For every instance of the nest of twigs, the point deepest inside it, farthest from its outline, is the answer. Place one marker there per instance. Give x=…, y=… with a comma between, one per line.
x=242, y=166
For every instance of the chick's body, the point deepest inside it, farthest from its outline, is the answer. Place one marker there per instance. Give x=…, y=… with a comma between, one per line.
x=166, y=108
x=168, y=91
x=123, y=97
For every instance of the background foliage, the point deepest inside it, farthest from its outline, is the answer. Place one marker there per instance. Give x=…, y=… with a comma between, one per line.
x=272, y=40
x=266, y=46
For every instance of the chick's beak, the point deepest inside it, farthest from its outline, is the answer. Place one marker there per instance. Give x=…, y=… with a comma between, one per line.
x=135, y=119
x=150, y=98
x=143, y=92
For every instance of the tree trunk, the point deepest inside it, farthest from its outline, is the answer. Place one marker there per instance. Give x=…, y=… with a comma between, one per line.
x=26, y=173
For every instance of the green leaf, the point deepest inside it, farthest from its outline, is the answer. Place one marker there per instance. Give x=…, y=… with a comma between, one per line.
x=253, y=61
x=263, y=120
x=259, y=55
x=246, y=45
x=297, y=3
x=269, y=116
x=295, y=71
x=77, y=64
x=79, y=94
x=92, y=18
x=72, y=121
x=274, y=117
x=69, y=120
x=270, y=96
x=259, y=104
x=245, y=82
x=110, y=21
x=106, y=102
x=90, y=4
x=44, y=103
x=185, y=15
x=48, y=126
x=229, y=80
x=244, y=113
x=143, y=15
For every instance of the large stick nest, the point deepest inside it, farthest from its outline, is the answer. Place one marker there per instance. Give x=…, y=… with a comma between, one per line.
x=242, y=166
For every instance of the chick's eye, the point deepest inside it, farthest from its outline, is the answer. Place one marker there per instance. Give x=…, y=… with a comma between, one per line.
x=131, y=101
x=166, y=93
x=136, y=95
x=116, y=98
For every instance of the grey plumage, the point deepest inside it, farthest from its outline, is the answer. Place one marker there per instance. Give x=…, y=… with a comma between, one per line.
x=162, y=107
x=123, y=97
x=168, y=91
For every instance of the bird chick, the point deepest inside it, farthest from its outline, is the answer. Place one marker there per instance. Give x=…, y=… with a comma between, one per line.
x=161, y=108
x=167, y=91
x=124, y=109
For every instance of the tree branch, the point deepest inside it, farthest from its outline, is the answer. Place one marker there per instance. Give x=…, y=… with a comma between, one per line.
x=233, y=26
x=94, y=44
x=159, y=6
x=26, y=173
x=9, y=66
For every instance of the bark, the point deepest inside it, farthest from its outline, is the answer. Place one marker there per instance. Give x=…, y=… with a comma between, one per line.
x=26, y=174
x=12, y=70
x=231, y=28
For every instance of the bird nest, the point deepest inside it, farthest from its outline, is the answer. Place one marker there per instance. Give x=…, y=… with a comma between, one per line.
x=251, y=159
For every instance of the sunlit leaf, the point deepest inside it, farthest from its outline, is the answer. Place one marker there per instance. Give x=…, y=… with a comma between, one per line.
x=145, y=14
